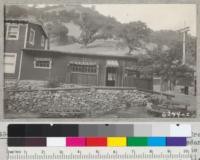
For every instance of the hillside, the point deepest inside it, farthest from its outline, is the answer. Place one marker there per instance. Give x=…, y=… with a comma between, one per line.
x=76, y=25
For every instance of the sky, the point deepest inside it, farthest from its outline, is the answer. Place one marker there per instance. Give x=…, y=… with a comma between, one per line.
x=156, y=16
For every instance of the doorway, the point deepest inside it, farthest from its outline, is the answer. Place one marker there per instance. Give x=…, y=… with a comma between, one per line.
x=111, y=76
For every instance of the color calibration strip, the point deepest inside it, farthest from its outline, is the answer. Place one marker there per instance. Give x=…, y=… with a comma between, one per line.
x=99, y=130
x=98, y=141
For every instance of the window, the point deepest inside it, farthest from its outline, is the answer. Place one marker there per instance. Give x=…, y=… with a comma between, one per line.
x=12, y=32
x=10, y=62
x=32, y=36
x=83, y=68
x=44, y=63
x=42, y=41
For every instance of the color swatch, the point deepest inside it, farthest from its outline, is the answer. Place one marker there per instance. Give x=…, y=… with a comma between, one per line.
x=94, y=135
x=56, y=142
x=137, y=141
x=99, y=141
x=75, y=141
x=96, y=141
x=176, y=141
x=98, y=130
x=156, y=141
x=116, y=141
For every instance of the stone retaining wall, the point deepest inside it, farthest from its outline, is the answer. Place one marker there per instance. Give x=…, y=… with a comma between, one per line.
x=91, y=102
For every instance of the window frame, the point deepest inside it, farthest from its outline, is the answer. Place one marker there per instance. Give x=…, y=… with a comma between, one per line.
x=33, y=40
x=7, y=31
x=43, y=41
x=83, y=68
x=42, y=59
x=14, y=64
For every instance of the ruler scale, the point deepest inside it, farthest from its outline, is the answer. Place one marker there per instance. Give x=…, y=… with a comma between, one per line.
x=99, y=153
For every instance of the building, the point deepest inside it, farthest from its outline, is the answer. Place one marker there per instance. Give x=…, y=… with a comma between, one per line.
x=21, y=34
x=27, y=58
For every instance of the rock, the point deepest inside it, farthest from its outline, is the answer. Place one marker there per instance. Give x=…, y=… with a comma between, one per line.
x=10, y=107
x=92, y=102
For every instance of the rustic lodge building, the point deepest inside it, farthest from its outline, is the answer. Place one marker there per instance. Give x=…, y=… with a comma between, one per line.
x=27, y=57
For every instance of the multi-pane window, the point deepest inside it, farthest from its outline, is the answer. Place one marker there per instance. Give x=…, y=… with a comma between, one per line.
x=84, y=68
x=42, y=41
x=12, y=32
x=10, y=62
x=32, y=36
x=44, y=63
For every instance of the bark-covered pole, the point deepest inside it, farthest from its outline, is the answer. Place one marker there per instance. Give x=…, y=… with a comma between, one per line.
x=184, y=31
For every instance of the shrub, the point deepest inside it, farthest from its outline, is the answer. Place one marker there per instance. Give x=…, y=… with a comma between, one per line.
x=53, y=83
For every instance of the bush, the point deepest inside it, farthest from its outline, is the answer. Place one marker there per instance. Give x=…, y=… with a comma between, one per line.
x=53, y=83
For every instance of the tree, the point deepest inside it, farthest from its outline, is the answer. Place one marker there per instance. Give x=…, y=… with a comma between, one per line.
x=59, y=31
x=168, y=65
x=90, y=25
x=67, y=16
x=134, y=35
x=110, y=27
x=165, y=37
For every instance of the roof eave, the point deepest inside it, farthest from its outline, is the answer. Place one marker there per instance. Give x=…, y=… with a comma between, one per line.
x=80, y=54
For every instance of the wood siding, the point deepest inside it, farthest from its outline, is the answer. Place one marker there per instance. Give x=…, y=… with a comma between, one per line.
x=139, y=83
x=84, y=79
x=38, y=36
x=15, y=46
x=61, y=70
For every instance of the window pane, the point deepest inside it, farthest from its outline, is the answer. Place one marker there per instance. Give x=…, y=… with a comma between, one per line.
x=9, y=62
x=32, y=36
x=13, y=31
x=9, y=68
x=83, y=68
x=42, y=62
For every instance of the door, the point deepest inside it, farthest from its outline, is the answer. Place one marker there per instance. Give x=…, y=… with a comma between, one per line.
x=111, y=76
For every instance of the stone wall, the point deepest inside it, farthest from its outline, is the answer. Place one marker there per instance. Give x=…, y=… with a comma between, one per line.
x=72, y=103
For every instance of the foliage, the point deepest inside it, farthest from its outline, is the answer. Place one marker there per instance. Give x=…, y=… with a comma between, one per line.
x=170, y=38
x=168, y=65
x=90, y=26
x=53, y=83
x=95, y=26
x=134, y=34
x=61, y=31
x=165, y=37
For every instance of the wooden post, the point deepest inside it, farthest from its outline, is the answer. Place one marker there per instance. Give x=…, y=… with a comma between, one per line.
x=184, y=31
x=184, y=51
